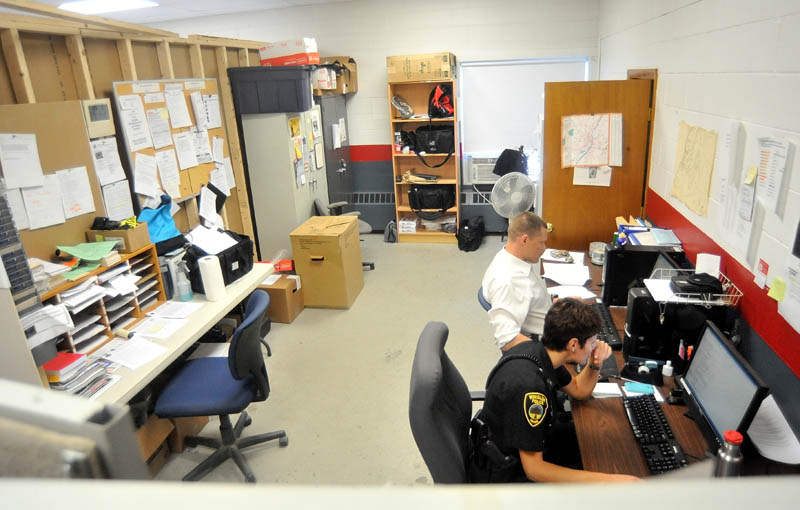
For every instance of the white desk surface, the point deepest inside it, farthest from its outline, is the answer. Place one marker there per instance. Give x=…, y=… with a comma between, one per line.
x=132, y=381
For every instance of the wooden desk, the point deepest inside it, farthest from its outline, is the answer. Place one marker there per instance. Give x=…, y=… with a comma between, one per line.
x=132, y=381
x=605, y=437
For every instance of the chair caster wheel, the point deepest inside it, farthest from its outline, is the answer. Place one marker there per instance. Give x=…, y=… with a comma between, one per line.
x=284, y=441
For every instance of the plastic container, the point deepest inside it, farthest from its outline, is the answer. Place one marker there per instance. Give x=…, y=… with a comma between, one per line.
x=597, y=252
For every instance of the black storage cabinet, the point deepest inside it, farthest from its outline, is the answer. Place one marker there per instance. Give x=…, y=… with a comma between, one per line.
x=283, y=89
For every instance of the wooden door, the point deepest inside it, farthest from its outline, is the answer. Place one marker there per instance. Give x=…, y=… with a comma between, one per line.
x=582, y=214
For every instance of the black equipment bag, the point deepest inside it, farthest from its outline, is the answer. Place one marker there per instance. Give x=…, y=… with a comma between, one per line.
x=434, y=140
x=470, y=233
x=440, y=101
x=235, y=261
x=431, y=196
x=699, y=283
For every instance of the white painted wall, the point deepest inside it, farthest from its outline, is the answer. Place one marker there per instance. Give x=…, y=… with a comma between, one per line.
x=717, y=60
x=369, y=31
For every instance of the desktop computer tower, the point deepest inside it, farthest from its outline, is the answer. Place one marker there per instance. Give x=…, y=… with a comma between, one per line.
x=626, y=266
x=647, y=337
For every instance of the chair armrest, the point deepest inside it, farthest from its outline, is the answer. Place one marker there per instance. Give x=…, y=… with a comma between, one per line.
x=477, y=395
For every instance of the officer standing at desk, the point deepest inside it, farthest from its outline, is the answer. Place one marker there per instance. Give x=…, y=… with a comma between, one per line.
x=520, y=397
x=513, y=286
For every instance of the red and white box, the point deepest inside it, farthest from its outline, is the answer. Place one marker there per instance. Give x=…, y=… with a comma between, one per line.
x=294, y=52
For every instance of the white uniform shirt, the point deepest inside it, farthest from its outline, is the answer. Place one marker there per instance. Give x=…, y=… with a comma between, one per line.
x=518, y=296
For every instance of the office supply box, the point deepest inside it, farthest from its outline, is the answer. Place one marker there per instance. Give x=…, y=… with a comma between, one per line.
x=327, y=256
x=293, y=52
x=285, y=299
x=129, y=240
x=429, y=66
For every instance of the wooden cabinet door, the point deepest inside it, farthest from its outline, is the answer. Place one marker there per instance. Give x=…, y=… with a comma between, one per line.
x=582, y=214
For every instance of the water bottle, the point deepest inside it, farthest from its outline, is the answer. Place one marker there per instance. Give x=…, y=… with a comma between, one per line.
x=729, y=457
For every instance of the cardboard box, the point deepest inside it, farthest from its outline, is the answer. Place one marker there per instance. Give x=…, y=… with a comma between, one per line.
x=130, y=239
x=327, y=256
x=189, y=426
x=347, y=82
x=285, y=299
x=429, y=66
x=293, y=52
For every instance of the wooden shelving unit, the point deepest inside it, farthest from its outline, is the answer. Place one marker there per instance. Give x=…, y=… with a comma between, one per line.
x=97, y=318
x=416, y=94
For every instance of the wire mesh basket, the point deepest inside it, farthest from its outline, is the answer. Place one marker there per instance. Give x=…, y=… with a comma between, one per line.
x=730, y=295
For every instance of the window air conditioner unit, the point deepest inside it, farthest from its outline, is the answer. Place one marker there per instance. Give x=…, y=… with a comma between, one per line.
x=479, y=170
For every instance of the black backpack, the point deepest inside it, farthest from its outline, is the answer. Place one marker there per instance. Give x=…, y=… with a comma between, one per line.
x=470, y=233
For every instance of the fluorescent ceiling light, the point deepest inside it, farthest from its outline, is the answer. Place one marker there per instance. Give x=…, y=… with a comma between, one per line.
x=101, y=6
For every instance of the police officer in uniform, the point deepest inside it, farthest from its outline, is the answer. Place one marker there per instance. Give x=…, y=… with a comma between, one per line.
x=521, y=391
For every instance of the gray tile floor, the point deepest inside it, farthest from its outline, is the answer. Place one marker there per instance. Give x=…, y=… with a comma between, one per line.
x=340, y=378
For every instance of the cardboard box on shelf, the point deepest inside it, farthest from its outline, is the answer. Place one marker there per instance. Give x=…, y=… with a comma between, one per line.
x=129, y=240
x=285, y=298
x=327, y=256
x=347, y=81
x=420, y=67
x=293, y=52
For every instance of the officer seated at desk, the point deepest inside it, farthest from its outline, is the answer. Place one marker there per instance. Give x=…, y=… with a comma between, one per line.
x=521, y=391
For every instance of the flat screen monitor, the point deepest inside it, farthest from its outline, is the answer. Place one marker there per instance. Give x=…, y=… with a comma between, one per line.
x=722, y=388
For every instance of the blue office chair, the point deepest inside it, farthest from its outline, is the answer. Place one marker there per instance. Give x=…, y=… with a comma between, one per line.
x=221, y=386
x=482, y=300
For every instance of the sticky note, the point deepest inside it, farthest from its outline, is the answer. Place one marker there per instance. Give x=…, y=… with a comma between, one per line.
x=777, y=290
x=751, y=175
x=639, y=387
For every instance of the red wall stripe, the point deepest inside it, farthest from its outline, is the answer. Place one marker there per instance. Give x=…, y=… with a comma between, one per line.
x=371, y=152
x=760, y=311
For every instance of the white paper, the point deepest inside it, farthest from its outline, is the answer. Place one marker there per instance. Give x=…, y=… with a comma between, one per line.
x=566, y=274
x=117, y=199
x=707, y=263
x=154, y=98
x=772, y=435
x=105, y=156
x=577, y=256
x=43, y=203
x=178, y=112
x=208, y=205
x=335, y=136
x=176, y=310
x=219, y=179
x=772, y=166
x=134, y=123
x=606, y=389
x=577, y=291
x=17, y=206
x=168, y=171
x=76, y=193
x=202, y=147
x=158, y=121
x=135, y=352
x=209, y=240
x=19, y=160
x=229, y=173
x=271, y=279
x=145, y=181
x=218, y=149
x=184, y=146
x=591, y=176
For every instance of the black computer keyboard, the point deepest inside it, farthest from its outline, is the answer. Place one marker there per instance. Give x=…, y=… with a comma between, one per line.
x=608, y=333
x=654, y=434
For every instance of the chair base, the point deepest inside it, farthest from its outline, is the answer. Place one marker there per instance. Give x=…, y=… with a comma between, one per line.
x=230, y=447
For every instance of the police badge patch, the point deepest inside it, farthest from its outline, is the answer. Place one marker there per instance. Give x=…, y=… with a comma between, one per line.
x=535, y=408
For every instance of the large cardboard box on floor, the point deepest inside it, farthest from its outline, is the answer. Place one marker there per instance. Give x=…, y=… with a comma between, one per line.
x=327, y=256
x=285, y=298
x=428, y=66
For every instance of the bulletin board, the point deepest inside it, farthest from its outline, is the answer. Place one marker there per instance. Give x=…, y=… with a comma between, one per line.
x=62, y=142
x=153, y=96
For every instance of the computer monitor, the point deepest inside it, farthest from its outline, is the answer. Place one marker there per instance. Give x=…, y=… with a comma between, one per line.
x=723, y=390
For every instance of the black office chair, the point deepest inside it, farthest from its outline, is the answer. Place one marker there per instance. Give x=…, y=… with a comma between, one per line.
x=439, y=408
x=335, y=209
x=224, y=386
x=482, y=300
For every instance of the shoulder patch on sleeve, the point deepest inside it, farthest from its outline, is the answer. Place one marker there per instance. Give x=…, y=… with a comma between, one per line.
x=535, y=408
